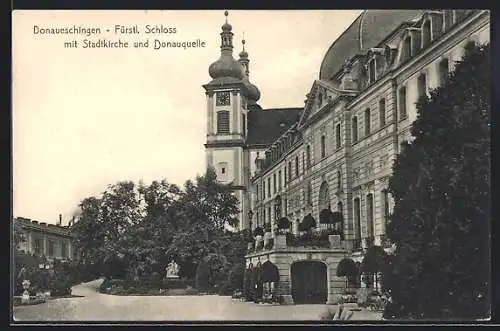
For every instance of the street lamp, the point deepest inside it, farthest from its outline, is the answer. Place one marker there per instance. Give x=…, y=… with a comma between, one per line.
x=250, y=215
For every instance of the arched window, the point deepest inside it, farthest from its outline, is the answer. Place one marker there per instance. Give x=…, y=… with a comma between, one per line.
x=381, y=112
x=323, y=146
x=369, y=214
x=426, y=33
x=357, y=218
x=367, y=122
x=324, y=196
x=354, y=129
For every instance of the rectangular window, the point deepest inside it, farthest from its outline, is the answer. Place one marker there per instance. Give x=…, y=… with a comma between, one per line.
x=369, y=214
x=244, y=124
x=263, y=189
x=381, y=112
x=323, y=146
x=338, y=139
x=372, y=72
x=37, y=246
x=64, y=250
x=444, y=70
x=357, y=218
x=289, y=170
x=257, y=191
x=367, y=122
x=407, y=48
x=274, y=183
x=223, y=122
x=269, y=187
x=354, y=129
x=308, y=156
x=422, y=85
x=285, y=178
x=51, y=248
x=296, y=166
x=279, y=180
x=426, y=33
x=402, y=102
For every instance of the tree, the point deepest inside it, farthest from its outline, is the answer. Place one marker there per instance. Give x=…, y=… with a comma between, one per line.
x=88, y=231
x=374, y=262
x=441, y=189
x=347, y=268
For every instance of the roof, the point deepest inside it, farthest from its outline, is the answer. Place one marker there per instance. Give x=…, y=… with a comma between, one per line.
x=265, y=126
x=368, y=30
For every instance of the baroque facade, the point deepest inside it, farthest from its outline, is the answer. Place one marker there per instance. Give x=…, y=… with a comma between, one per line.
x=336, y=151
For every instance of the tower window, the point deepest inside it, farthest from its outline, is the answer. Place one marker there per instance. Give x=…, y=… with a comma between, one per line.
x=367, y=122
x=223, y=122
x=381, y=112
x=223, y=171
x=402, y=102
x=443, y=71
x=354, y=129
x=323, y=146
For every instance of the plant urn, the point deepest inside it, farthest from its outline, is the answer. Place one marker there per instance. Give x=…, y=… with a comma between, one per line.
x=25, y=299
x=267, y=236
x=280, y=241
x=334, y=240
x=249, y=246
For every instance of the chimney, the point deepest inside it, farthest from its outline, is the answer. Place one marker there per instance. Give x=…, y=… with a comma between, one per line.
x=60, y=219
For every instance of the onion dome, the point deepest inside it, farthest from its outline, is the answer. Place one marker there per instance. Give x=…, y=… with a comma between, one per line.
x=226, y=65
x=251, y=91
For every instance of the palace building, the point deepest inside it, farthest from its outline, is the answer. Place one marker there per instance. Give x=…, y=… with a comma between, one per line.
x=334, y=153
x=54, y=241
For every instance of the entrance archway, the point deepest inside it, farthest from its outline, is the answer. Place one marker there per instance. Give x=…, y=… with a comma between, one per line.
x=309, y=282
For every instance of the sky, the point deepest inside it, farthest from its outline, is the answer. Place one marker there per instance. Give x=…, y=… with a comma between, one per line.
x=85, y=118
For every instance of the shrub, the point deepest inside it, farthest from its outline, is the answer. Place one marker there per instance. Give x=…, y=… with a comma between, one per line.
x=258, y=231
x=307, y=224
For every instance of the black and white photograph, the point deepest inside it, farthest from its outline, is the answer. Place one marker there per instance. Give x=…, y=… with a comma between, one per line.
x=251, y=166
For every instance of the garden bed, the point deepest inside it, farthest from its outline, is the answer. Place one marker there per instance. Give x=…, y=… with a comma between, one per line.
x=17, y=301
x=149, y=288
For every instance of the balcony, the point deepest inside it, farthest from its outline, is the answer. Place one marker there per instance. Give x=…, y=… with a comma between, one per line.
x=318, y=240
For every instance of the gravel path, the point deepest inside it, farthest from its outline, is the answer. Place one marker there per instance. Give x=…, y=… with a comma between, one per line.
x=94, y=306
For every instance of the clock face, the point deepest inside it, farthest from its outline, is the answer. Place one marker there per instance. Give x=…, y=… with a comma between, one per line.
x=222, y=98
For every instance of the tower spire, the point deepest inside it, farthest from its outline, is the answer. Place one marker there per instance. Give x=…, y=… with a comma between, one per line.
x=226, y=37
x=244, y=58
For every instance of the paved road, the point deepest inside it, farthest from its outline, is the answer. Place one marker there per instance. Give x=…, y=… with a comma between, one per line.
x=94, y=306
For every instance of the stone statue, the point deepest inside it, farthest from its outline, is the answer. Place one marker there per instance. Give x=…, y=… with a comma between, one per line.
x=172, y=270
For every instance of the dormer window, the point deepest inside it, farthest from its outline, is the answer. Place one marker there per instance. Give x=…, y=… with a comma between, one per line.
x=372, y=72
x=320, y=99
x=426, y=33
x=407, y=48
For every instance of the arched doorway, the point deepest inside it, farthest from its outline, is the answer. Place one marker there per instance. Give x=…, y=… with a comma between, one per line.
x=309, y=282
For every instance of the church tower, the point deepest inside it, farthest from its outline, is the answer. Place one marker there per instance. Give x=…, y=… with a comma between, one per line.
x=227, y=121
